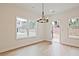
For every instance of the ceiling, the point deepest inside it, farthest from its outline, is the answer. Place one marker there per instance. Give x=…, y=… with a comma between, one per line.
x=50, y=8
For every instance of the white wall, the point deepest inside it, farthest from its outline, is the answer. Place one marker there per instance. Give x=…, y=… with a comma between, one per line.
x=8, y=15
x=64, y=24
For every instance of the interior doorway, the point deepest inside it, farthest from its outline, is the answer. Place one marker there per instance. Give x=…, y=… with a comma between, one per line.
x=55, y=31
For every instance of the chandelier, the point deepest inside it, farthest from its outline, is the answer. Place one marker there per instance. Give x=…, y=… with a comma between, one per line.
x=43, y=19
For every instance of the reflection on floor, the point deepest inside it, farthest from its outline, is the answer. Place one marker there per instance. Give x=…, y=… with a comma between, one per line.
x=44, y=49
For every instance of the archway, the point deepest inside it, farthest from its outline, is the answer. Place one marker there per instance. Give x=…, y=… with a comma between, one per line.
x=55, y=31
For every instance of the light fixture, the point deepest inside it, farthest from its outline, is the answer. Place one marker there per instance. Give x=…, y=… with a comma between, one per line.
x=43, y=19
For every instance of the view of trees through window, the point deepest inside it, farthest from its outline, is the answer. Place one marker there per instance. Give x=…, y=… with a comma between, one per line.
x=74, y=27
x=25, y=28
x=74, y=22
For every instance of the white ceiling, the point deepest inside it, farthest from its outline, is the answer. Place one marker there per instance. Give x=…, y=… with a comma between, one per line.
x=50, y=8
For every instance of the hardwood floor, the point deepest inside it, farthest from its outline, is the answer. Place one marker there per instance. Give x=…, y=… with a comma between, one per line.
x=44, y=49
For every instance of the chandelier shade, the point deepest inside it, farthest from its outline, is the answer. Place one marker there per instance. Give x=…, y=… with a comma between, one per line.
x=43, y=19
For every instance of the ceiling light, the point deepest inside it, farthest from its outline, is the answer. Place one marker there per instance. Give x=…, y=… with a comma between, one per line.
x=43, y=19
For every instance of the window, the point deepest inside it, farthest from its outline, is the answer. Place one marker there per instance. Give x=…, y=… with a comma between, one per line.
x=32, y=28
x=25, y=28
x=74, y=23
x=74, y=28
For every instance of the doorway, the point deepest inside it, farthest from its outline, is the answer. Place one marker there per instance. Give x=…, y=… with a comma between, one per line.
x=55, y=31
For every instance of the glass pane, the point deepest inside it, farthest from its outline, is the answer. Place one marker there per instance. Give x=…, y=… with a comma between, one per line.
x=74, y=28
x=21, y=28
x=32, y=33
x=32, y=24
x=32, y=28
x=74, y=23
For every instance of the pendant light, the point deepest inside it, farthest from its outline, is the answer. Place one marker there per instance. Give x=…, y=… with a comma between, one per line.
x=43, y=19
